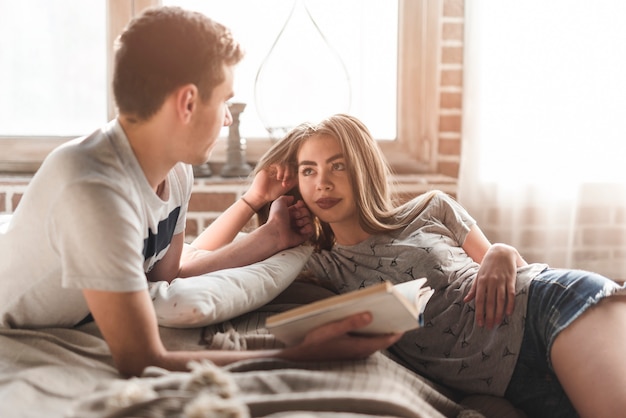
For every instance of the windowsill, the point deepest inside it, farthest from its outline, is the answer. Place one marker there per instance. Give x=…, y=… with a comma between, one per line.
x=32, y=152
x=406, y=183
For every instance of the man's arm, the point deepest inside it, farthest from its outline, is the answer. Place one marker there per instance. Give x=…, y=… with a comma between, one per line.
x=128, y=324
x=168, y=268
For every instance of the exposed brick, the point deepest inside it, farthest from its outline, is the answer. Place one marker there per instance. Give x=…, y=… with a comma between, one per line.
x=620, y=216
x=555, y=257
x=452, y=55
x=452, y=32
x=494, y=216
x=451, y=100
x=450, y=123
x=454, y=8
x=205, y=221
x=452, y=78
x=15, y=200
x=620, y=254
x=450, y=146
x=191, y=228
x=590, y=255
x=495, y=233
x=403, y=197
x=598, y=214
x=536, y=236
x=448, y=168
x=606, y=237
x=538, y=216
x=9, y=181
x=210, y=202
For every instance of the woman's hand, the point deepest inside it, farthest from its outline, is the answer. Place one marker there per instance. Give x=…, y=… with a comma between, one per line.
x=333, y=341
x=269, y=184
x=494, y=285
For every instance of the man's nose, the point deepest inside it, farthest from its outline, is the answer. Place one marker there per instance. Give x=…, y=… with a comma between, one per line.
x=228, y=117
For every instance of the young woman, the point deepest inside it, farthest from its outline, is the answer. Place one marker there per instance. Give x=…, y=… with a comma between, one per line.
x=549, y=340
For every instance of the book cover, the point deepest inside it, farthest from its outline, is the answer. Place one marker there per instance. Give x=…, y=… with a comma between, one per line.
x=394, y=308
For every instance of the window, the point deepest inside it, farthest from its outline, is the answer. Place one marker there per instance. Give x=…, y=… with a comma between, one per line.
x=69, y=97
x=357, y=62
x=401, y=109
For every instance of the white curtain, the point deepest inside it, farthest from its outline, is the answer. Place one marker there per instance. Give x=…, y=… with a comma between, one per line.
x=544, y=129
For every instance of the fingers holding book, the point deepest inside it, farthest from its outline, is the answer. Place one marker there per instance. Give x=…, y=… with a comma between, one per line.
x=340, y=340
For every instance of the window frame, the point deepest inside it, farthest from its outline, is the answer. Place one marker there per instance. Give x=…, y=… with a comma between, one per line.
x=414, y=151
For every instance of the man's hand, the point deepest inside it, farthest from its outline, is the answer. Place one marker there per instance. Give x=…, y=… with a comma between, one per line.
x=292, y=223
x=128, y=324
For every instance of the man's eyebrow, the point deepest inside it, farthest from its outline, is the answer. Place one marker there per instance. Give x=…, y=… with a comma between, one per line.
x=328, y=160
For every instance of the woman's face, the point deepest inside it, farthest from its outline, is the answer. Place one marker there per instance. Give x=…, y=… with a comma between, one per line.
x=324, y=181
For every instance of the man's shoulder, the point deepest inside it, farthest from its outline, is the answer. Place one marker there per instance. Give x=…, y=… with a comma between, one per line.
x=94, y=154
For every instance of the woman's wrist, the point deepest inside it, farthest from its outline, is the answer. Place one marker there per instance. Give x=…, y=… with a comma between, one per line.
x=250, y=205
x=253, y=203
x=505, y=250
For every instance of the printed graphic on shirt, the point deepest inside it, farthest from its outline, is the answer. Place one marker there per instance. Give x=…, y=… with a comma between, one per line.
x=155, y=243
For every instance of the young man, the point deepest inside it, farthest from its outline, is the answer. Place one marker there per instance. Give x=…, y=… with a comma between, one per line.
x=107, y=212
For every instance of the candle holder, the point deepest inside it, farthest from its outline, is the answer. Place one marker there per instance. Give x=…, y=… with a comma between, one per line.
x=236, y=165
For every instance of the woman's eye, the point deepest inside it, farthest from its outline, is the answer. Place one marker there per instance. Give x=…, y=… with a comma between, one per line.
x=339, y=166
x=306, y=171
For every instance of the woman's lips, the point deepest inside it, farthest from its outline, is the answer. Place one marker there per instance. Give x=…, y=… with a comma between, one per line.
x=326, y=202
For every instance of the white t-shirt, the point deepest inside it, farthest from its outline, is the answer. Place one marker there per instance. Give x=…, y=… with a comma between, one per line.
x=88, y=220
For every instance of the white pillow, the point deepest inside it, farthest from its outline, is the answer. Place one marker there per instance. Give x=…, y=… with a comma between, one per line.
x=4, y=221
x=225, y=294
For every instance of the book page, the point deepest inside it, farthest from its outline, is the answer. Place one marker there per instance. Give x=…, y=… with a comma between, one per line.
x=411, y=289
x=394, y=309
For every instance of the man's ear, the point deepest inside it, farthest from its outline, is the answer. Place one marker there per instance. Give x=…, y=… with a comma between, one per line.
x=186, y=101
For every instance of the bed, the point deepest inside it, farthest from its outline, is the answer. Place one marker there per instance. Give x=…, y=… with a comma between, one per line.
x=58, y=372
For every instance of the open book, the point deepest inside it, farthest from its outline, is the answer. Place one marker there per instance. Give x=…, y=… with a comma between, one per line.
x=394, y=308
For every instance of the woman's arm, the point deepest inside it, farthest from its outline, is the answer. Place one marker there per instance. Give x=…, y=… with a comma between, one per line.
x=494, y=285
x=266, y=187
x=287, y=226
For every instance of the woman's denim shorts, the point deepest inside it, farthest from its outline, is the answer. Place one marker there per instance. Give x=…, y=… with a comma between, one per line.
x=556, y=298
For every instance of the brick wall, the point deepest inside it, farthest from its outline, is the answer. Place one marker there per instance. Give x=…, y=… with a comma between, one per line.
x=212, y=195
x=451, y=88
x=589, y=236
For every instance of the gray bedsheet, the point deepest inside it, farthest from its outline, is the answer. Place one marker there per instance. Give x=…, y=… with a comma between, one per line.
x=69, y=373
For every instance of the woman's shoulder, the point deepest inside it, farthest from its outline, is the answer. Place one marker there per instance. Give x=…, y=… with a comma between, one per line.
x=424, y=201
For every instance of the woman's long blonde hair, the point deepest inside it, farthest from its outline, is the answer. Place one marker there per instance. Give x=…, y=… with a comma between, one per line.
x=369, y=174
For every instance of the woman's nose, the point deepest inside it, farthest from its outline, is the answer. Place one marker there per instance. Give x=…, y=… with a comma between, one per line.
x=324, y=182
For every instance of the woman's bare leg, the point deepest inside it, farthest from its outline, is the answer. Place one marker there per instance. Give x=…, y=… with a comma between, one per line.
x=590, y=362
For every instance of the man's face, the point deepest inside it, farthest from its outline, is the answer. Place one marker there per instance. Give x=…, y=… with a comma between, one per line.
x=211, y=116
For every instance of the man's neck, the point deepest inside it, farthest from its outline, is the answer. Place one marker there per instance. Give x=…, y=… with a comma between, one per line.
x=146, y=139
